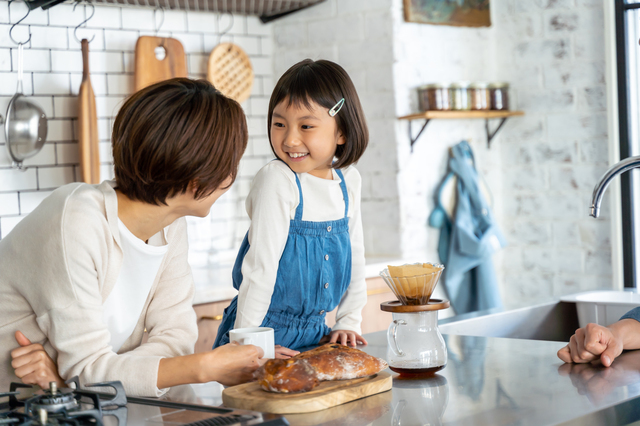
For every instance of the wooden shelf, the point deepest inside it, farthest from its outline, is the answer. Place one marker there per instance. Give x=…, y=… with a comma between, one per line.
x=486, y=115
x=461, y=114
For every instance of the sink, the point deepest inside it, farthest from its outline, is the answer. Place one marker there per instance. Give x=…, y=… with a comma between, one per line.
x=555, y=321
x=603, y=307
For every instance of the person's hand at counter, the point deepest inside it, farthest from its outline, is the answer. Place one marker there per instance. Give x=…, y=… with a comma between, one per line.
x=604, y=344
x=33, y=365
x=230, y=364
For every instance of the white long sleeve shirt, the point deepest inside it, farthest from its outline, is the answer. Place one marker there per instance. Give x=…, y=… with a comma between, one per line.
x=271, y=205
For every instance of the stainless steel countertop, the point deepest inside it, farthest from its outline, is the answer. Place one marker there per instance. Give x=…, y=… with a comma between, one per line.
x=487, y=381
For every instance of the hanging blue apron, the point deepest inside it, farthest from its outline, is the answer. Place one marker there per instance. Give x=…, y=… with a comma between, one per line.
x=313, y=274
x=467, y=240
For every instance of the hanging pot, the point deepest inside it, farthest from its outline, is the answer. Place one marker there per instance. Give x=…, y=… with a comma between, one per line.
x=25, y=126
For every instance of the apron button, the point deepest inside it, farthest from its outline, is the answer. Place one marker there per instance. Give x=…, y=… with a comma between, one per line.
x=326, y=257
x=326, y=285
x=328, y=229
x=321, y=312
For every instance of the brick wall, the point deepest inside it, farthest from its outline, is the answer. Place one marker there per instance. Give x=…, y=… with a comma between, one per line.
x=553, y=54
x=53, y=72
x=542, y=167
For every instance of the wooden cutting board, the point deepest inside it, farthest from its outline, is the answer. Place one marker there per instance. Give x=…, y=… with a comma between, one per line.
x=250, y=396
x=88, y=124
x=150, y=70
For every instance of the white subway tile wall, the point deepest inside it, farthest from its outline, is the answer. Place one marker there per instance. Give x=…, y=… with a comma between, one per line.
x=53, y=72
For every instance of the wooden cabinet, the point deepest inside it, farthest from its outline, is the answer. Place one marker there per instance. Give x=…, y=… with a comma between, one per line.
x=373, y=319
x=209, y=315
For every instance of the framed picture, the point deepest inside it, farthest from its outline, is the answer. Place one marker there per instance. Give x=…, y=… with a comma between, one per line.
x=462, y=13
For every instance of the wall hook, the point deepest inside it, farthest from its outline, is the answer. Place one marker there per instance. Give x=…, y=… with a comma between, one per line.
x=157, y=28
x=14, y=25
x=226, y=30
x=93, y=11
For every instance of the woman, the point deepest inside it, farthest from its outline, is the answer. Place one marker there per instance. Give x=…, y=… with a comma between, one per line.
x=93, y=266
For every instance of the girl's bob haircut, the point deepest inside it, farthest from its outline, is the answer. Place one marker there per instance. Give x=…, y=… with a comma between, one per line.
x=325, y=83
x=177, y=133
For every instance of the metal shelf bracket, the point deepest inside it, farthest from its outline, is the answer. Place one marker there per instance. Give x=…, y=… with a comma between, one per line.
x=411, y=138
x=490, y=134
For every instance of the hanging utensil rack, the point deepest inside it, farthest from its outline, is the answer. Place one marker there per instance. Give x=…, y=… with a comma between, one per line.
x=266, y=10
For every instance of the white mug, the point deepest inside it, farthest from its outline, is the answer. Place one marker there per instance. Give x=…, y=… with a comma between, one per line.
x=259, y=336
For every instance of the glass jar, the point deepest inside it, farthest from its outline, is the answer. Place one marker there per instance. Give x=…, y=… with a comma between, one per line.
x=459, y=96
x=499, y=96
x=434, y=97
x=479, y=96
x=415, y=345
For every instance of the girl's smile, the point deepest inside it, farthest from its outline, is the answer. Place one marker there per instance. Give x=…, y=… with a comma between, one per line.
x=305, y=139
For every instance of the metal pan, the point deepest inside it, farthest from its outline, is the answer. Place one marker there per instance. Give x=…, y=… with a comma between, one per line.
x=25, y=126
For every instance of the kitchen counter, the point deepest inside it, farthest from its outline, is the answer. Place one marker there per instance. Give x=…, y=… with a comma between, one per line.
x=487, y=381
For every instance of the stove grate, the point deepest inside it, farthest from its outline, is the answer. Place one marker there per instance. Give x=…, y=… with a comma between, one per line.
x=222, y=420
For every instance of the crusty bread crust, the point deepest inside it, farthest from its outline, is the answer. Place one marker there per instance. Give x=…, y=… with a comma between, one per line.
x=306, y=370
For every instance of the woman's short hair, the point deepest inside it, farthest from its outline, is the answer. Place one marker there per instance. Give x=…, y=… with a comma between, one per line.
x=173, y=133
x=325, y=83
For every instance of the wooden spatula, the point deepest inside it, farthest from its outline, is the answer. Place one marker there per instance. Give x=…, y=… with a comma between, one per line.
x=88, y=124
x=149, y=69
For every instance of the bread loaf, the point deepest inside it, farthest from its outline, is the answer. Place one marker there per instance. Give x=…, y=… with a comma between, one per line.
x=306, y=370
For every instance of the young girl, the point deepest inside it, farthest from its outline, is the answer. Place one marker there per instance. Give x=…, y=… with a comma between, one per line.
x=304, y=253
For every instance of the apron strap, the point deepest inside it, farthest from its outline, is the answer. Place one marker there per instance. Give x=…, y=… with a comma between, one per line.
x=343, y=186
x=300, y=204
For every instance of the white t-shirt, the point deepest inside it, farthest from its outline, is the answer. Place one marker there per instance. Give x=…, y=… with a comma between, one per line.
x=140, y=265
x=271, y=204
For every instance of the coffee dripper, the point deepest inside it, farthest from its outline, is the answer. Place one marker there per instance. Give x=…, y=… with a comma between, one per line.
x=414, y=344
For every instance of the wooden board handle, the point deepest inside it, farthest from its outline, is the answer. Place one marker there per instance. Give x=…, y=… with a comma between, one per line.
x=85, y=58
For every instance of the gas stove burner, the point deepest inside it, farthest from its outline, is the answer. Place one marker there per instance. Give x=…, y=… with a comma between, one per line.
x=53, y=400
x=64, y=406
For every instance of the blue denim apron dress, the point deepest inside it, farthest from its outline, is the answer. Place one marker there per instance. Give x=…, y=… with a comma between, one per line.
x=313, y=274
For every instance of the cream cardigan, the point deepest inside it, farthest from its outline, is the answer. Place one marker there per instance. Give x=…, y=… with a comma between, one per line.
x=58, y=266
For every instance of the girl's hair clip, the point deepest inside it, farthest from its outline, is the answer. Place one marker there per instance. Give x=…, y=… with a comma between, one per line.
x=336, y=108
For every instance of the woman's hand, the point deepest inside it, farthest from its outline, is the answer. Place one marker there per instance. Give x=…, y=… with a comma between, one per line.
x=230, y=365
x=345, y=337
x=592, y=343
x=235, y=364
x=284, y=353
x=33, y=365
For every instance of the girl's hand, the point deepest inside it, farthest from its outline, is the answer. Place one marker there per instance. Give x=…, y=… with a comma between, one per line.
x=285, y=353
x=33, y=365
x=345, y=337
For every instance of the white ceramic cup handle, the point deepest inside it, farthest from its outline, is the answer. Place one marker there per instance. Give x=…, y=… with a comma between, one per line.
x=391, y=337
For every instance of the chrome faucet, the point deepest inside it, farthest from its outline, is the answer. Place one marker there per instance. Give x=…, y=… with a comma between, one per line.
x=605, y=180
